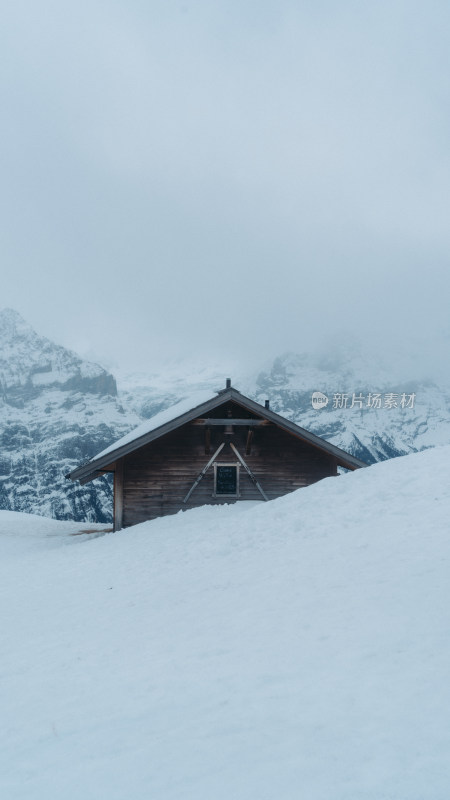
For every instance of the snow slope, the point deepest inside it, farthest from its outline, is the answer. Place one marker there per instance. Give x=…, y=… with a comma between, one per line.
x=294, y=649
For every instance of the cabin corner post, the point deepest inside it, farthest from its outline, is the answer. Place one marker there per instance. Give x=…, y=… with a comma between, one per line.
x=118, y=495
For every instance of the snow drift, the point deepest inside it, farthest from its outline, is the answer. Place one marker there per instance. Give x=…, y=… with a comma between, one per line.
x=295, y=649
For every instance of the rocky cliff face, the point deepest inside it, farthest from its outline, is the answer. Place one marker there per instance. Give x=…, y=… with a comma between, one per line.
x=57, y=411
x=30, y=365
x=367, y=413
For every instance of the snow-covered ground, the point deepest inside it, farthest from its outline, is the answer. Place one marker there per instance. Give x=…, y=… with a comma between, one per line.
x=294, y=649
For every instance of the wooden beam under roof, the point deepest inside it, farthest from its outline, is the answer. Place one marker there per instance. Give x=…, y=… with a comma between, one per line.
x=96, y=474
x=254, y=423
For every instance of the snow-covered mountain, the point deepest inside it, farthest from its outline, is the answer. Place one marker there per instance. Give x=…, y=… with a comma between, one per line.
x=57, y=411
x=368, y=412
x=285, y=650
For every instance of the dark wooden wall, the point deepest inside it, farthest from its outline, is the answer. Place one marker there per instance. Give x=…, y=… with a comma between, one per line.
x=157, y=477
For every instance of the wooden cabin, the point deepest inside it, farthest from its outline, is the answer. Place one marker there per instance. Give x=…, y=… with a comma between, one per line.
x=227, y=448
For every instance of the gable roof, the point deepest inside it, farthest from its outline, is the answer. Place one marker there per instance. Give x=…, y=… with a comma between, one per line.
x=180, y=414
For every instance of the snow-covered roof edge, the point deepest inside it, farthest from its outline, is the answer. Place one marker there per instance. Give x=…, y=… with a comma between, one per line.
x=183, y=412
x=168, y=415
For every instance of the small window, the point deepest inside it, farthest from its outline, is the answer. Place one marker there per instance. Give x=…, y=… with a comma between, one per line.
x=226, y=480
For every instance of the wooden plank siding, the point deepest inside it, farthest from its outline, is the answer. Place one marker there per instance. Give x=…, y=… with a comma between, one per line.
x=158, y=476
x=118, y=495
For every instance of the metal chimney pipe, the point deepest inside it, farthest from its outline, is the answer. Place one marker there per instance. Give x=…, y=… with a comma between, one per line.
x=228, y=383
x=267, y=404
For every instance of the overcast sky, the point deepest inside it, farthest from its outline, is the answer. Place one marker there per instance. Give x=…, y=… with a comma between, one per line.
x=225, y=177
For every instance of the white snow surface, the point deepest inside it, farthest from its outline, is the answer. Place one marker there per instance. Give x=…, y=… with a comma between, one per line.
x=169, y=414
x=293, y=649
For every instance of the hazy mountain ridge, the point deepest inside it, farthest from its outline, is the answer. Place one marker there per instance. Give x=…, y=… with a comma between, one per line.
x=30, y=363
x=57, y=411
x=370, y=433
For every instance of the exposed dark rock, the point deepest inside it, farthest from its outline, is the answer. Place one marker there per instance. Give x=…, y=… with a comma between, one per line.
x=55, y=411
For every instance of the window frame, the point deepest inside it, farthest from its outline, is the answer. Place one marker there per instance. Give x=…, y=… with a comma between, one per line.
x=235, y=464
